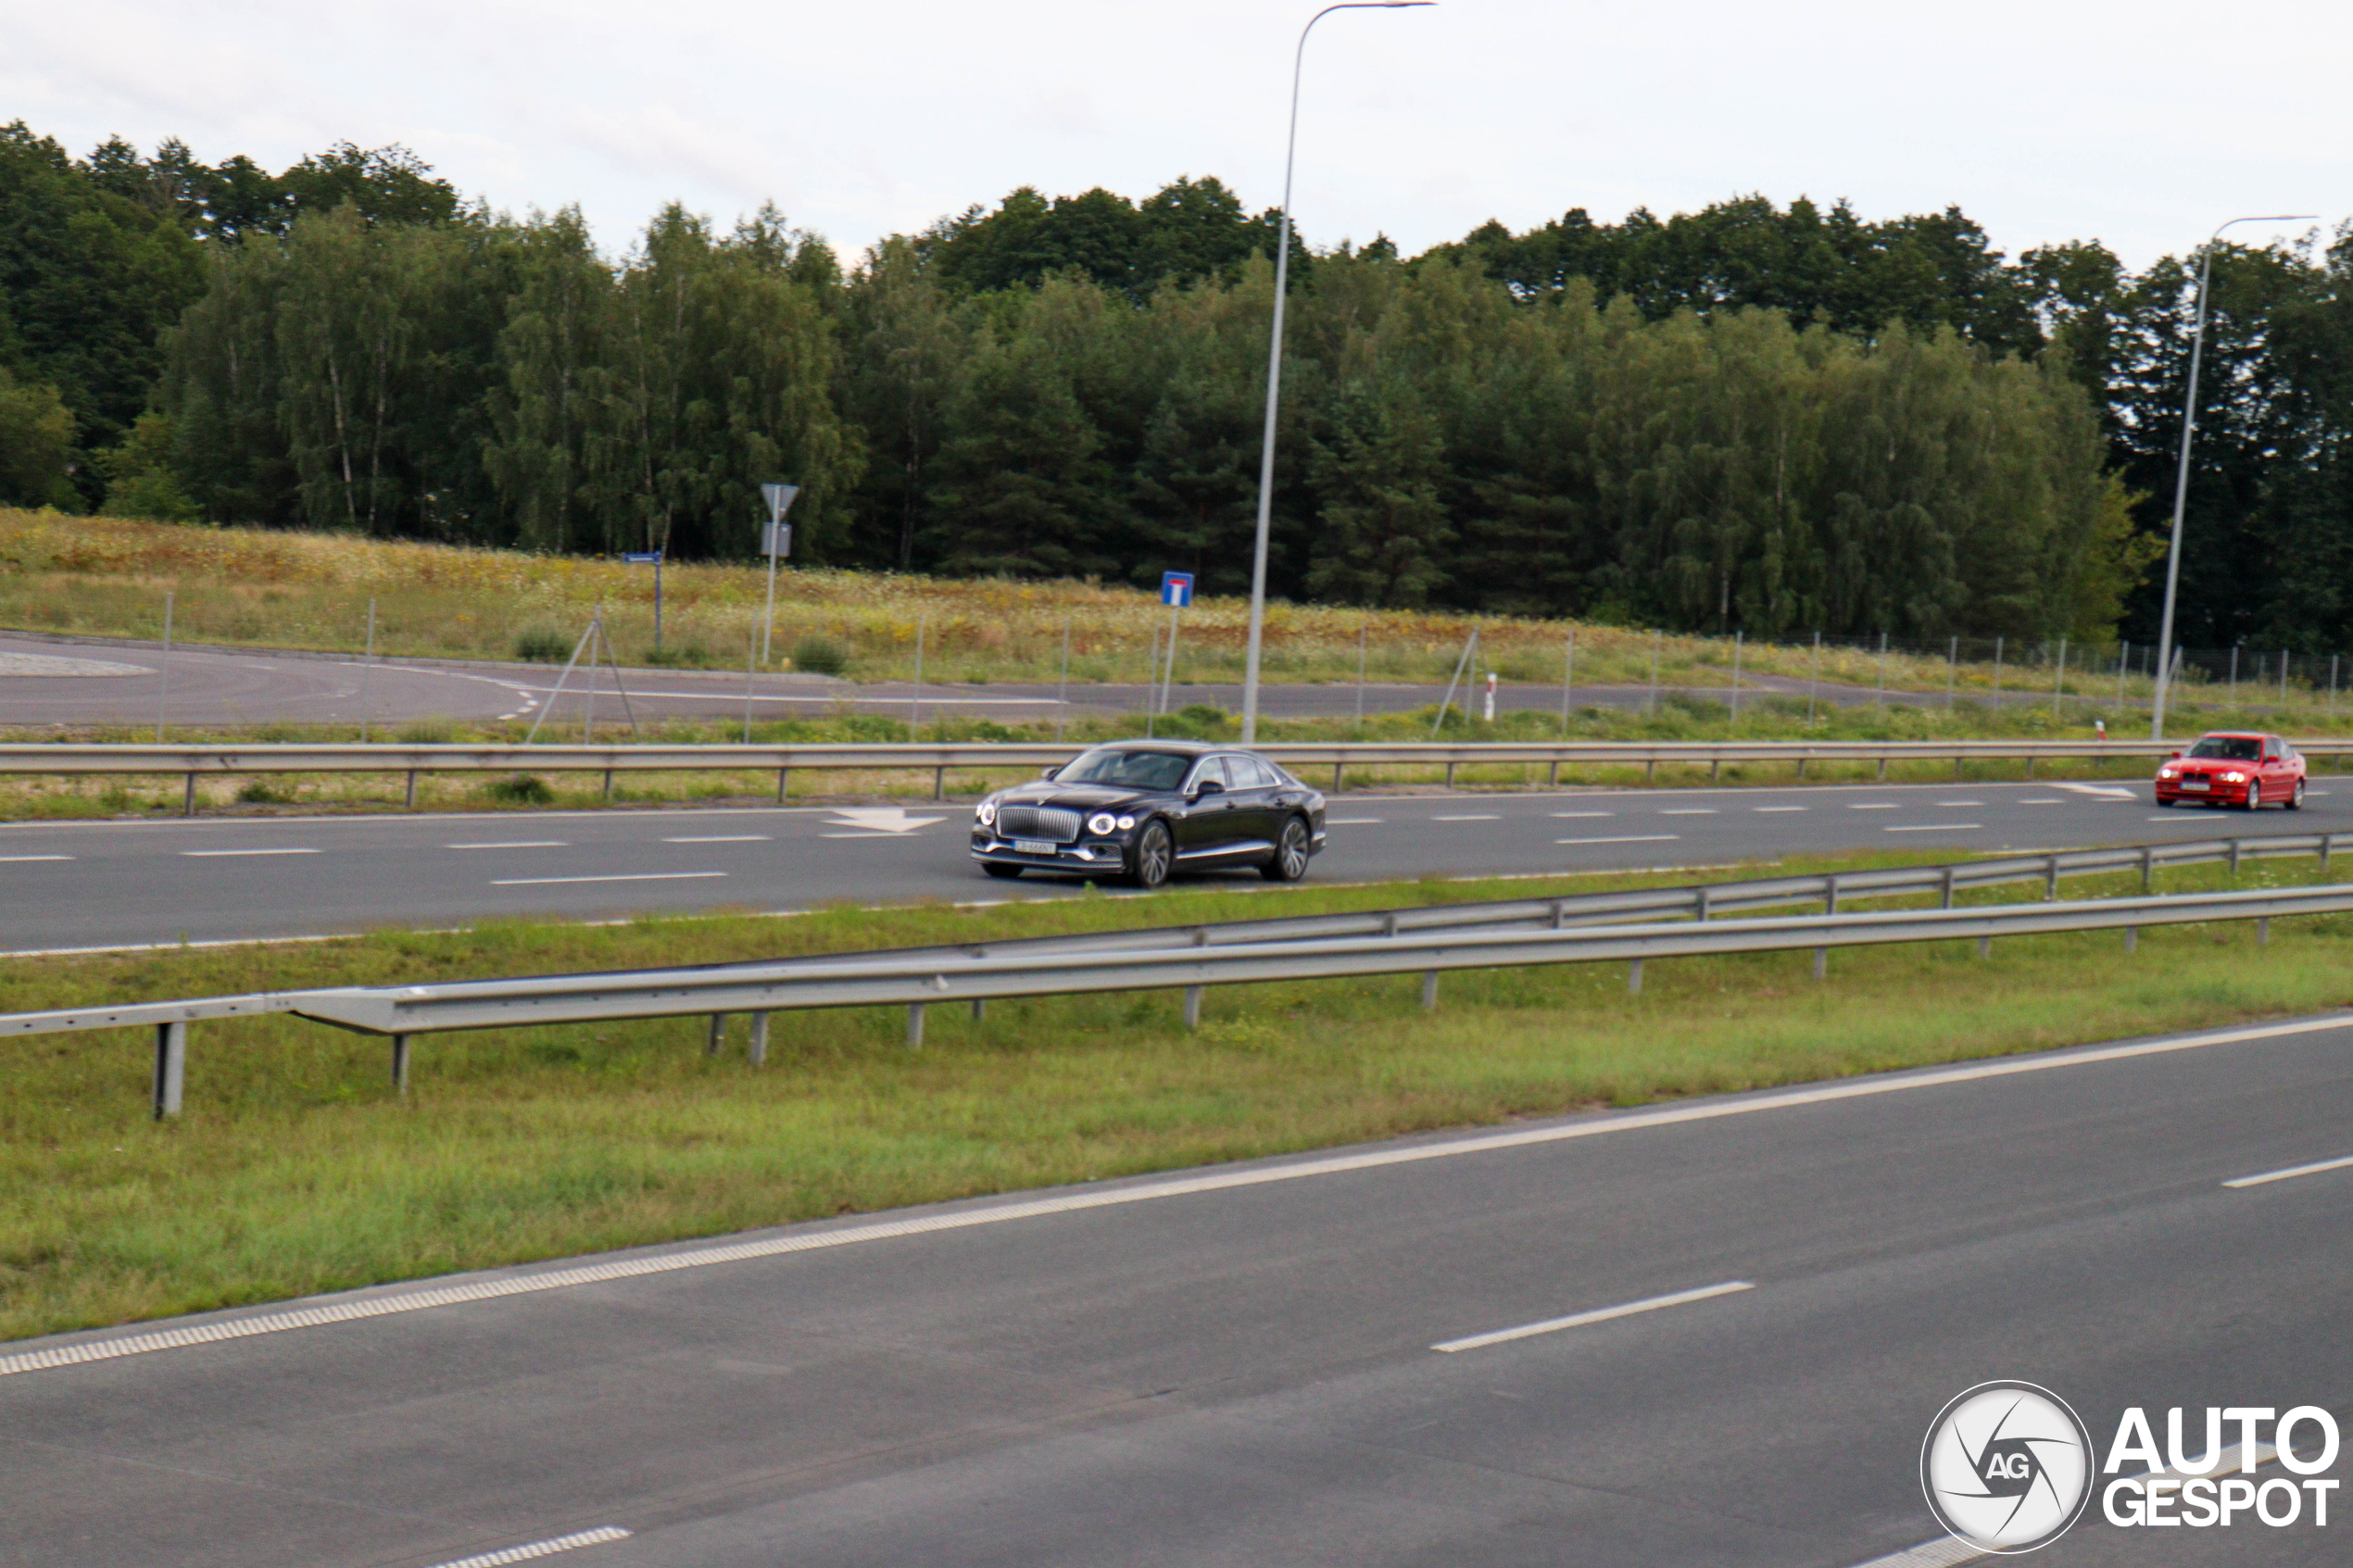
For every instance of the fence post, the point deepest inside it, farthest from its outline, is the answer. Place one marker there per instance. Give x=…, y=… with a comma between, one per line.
x=758, y=1052
x=171, y=1067
x=400, y=1063
x=1429, y=991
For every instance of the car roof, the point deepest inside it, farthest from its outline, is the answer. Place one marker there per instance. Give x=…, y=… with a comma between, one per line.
x=1172, y=748
x=2237, y=735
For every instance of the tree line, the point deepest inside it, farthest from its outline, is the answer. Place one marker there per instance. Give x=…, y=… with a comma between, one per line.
x=1758, y=418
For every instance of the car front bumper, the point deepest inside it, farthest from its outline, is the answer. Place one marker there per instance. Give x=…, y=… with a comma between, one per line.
x=1090, y=854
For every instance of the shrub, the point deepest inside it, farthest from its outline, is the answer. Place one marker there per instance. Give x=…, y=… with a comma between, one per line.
x=523, y=789
x=819, y=655
x=261, y=791
x=539, y=644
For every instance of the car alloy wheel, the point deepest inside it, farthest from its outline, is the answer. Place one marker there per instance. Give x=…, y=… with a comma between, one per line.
x=1154, y=853
x=1288, y=862
x=2254, y=794
x=2295, y=800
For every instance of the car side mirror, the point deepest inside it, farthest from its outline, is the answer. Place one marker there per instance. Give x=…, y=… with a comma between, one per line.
x=1048, y=772
x=1208, y=786
x=2175, y=757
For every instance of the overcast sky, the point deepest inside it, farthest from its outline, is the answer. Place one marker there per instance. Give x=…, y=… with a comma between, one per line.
x=2142, y=125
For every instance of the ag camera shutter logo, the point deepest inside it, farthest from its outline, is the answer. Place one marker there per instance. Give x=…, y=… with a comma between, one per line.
x=2007, y=1467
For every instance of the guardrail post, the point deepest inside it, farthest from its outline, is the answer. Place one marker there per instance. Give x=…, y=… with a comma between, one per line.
x=1948, y=889
x=400, y=1063
x=939, y=784
x=2030, y=765
x=2263, y=933
x=2328, y=841
x=1553, y=775
x=408, y=797
x=1829, y=895
x=1336, y=768
x=1985, y=947
x=2050, y=878
x=188, y=801
x=2148, y=866
x=782, y=774
x=1560, y=913
x=1956, y=770
x=2234, y=856
x=2132, y=938
x=1450, y=775
x=171, y=1067
x=914, y=1024
x=608, y=786
x=1430, y=990
x=1714, y=769
x=1634, y=977
x=1702, y=903
x=1192, y=1007
x=1801, y=770
x=1821, y=963
x=1883, y=770
x=1650, y=770
x=718, y=1033
x=758, y=1052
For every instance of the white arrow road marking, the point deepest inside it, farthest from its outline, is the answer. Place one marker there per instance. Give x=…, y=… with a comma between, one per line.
x=2102, y=792
x=880, y=818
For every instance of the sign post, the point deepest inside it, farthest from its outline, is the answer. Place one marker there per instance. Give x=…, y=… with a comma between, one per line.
x=775, y=540
x=653, y=559
x=1176, y=591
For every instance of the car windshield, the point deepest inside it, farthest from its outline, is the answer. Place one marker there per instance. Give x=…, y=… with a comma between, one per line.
x=1132, y=769
x=2230, y=748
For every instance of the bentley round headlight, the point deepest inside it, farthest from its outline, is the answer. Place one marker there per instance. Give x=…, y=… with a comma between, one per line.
x=1101, y=822
x=1127, y=822
x=986, y=812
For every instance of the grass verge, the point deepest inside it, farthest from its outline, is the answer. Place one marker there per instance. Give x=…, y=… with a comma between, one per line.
x=296, y=1170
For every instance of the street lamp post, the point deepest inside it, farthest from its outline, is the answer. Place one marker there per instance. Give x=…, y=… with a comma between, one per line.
x=2181, y=478
x=1275, y=368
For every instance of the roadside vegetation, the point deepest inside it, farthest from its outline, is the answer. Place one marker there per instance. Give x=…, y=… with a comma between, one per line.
x=298, y=1170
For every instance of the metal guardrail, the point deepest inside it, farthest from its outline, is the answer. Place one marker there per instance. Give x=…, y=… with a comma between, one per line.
x=1651, y=922
x=198, y=762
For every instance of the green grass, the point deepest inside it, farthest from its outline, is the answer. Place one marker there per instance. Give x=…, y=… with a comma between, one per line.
x=296, y=1169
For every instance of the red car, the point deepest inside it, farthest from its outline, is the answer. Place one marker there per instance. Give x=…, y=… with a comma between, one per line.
x=2233, y=768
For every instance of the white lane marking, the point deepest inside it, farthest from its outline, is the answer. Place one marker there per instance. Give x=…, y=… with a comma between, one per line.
x=13, y=859
x=1776, y=807
x=2036, y=801
x=1467, y=817
x=1600, y=1314
x=722, y=838
x=540, y=1548
x=2167, y=818
x=1932, y=827
x=352, y=1309
x=1626, y=838
x=1960, y=803
x=1351, y=822
x=641, y=876
x=2291, y=1171
x=1873, y=804
x=1584, y=813
x=881, y=818
x=1687, y=812
x=2317, y=794
x=2100, y=792
x=213, y=854
x=899, y=836
x=514, y=844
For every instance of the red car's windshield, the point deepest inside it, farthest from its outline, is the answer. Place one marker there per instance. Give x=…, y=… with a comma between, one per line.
x=2230, y=748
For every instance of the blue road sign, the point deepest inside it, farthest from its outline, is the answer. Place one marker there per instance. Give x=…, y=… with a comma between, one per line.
x=642, y=557
x=1176, y=588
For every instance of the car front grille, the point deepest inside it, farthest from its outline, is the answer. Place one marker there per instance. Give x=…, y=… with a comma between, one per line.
x=1037, y=822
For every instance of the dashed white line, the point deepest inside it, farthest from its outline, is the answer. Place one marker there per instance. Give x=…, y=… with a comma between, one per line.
x=641, y=876
x=1352, y=822
x=2038, y=800
x=1776, y=807
x=1467, y=817
x=540, y=1548
x=722, y=838
x=515, y=844
x=1600, y=1314
x=1873, y=804
x=1687, y=812
x=212, y=854
x=1960, y=803
x=1584, y=813
x=1626, y=838
x=1934, y=827
x=2312, y=1170
x=13, y=859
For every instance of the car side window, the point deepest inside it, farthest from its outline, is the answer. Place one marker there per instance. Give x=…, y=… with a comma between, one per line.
x=1247, y=773
x=1210, y=768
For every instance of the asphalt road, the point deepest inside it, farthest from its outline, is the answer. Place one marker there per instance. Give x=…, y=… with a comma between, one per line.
x=1247, y=1373
x=86, y=682
x=103, y=884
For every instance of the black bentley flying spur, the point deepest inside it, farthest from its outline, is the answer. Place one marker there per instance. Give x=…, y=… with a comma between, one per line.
x=1141, y=810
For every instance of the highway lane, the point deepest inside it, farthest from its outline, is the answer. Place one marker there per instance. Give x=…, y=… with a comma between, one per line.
x=214, y=686
x=1246, y=1374
x=103, y=884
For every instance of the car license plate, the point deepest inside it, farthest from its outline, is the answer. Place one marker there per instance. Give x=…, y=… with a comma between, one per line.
x=1034, y=846
x=2193, y=784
